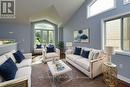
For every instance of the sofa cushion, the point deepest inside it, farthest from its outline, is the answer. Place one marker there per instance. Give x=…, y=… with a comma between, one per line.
x=24, y=63
x=10, y=55
x=83, y=62
x=73, y=57
x=19, y=56
x=25, y=71
x=8, y=69
x=3, y=58
x=77, y=51
x=85, y=54
x=51, y=55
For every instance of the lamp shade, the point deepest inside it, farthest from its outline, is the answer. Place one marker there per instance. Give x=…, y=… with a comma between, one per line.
x=109, y=49
x=69, y=44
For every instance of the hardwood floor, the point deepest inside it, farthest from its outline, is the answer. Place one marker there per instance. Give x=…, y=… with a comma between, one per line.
x=40, y=78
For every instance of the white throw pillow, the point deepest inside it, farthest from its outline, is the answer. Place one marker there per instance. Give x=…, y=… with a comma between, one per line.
x=3, y=58
x=10, y=55
x=94, y=54
x=91, y=54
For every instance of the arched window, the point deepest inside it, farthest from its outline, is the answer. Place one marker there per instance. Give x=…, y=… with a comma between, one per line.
x=99, y=6
x=44, y=33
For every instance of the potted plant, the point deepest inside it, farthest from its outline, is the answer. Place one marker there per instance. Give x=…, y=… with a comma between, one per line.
x=60, y=45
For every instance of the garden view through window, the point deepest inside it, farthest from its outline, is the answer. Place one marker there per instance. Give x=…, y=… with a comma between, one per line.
x=44, y=34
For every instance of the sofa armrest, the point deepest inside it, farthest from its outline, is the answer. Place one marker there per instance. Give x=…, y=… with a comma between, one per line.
x=96, y=67
x=58, y=51
x=28, y=55
x=15, y=82
x=96, y=60
x=70, y=51
x=43, y=52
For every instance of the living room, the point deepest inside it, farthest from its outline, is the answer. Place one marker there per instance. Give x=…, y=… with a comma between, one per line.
x=43, y=22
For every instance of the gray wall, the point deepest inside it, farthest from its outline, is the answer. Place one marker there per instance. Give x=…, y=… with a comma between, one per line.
x=79, y=21
x=60, y=33
x=21, y=33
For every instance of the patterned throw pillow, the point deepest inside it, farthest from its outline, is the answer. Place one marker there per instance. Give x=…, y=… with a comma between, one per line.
x=94, y=54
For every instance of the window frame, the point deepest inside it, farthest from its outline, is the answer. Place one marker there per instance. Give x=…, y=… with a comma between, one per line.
x=124, y=2
x=103, y=31
x=41, y=31
x=92, y=2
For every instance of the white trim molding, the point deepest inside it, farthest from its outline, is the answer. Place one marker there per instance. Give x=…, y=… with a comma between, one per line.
x=125, y=79
x=121, y=52
x=126, y=2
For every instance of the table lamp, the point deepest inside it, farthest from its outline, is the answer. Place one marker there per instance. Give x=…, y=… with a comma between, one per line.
x=109, y=50
x=69, y=45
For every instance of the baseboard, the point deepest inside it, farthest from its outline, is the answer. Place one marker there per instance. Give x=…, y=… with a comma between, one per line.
x=123, y=81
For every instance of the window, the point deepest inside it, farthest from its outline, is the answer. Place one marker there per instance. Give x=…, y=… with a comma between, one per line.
x=117, y=33
x=126, y=1
x=99, y=6
x=44, y=33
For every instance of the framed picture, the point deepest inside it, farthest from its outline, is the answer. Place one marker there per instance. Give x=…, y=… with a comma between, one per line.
x=82, y=36
x=126, y=2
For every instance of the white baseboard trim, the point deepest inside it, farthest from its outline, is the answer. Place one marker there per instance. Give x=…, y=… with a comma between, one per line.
x=125, y=79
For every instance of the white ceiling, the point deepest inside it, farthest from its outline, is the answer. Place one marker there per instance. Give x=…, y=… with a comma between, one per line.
x=57, y=11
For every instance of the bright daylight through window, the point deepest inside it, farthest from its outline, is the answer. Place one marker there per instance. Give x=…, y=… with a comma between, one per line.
x=99, y=6
x=44, y=33
x=117, y=33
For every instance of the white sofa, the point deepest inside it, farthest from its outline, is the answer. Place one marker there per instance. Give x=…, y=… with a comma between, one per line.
x=50, y=56
x=91, y=66
x=24, y=69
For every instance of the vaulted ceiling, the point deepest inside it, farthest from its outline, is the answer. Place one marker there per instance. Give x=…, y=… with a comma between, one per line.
x=57, y=11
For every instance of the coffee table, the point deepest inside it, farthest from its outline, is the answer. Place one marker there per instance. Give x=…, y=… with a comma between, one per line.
x=56, y=73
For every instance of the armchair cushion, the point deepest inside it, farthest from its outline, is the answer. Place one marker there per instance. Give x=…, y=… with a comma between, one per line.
x=8, y=69
x=50, y=49
x=19, y=56
x=51, y=55
x=38, y=46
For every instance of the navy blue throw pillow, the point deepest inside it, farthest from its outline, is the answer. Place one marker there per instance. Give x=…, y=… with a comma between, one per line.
x=8, y=69
x=50, y=49
x=77, y=51
x=19, y=56
x=85, y=54
x=39, y=46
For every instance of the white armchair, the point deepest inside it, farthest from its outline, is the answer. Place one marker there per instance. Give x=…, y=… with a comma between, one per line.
x=50, y=56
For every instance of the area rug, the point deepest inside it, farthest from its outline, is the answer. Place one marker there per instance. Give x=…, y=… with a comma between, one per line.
x=41, y=79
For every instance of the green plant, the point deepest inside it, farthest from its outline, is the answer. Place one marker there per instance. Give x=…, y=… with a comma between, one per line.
x=60, y=45
x=38, y=38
